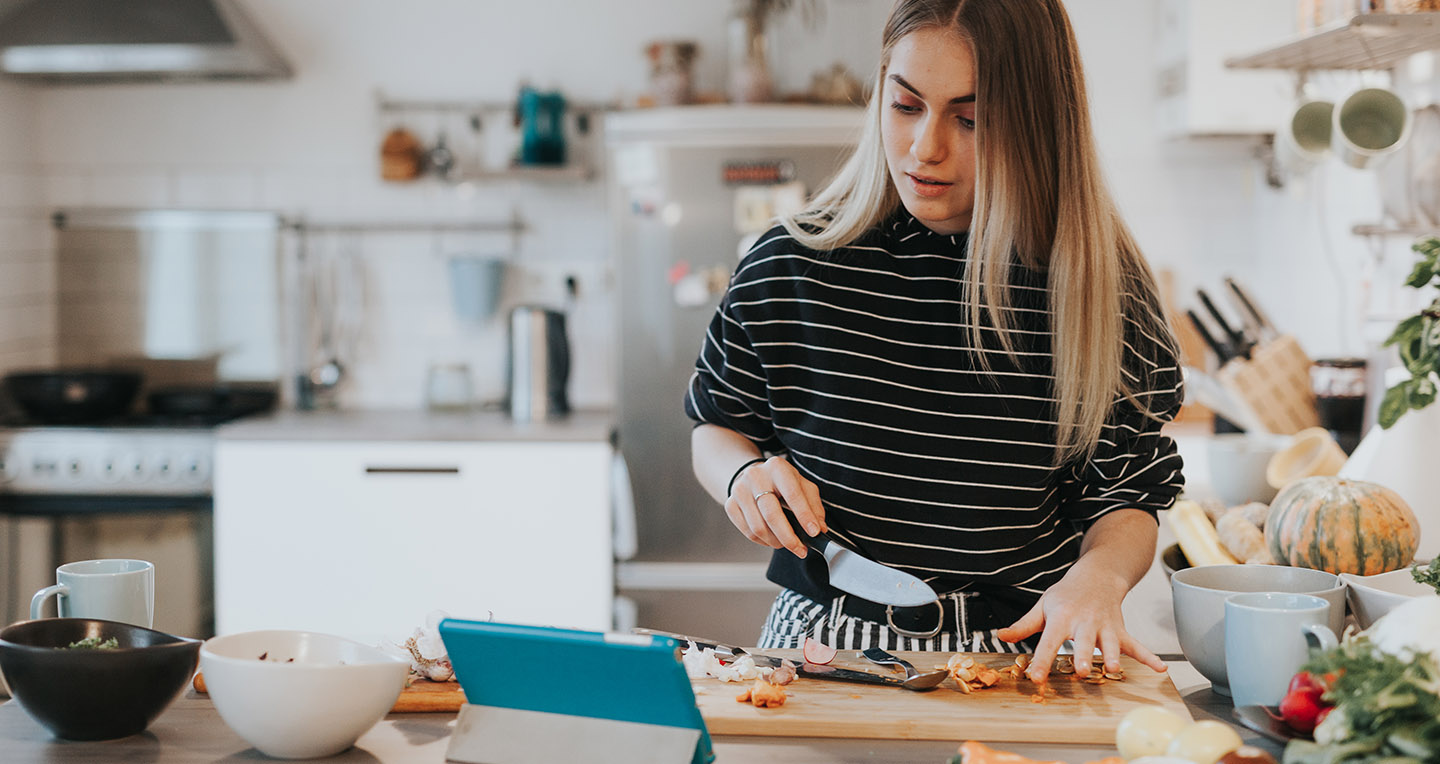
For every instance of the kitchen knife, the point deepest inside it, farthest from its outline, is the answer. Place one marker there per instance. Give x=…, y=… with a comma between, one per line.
x=1220, y=351
x=855, y=574
x=1264, y=330
x=729, y=654
x=1239, y=345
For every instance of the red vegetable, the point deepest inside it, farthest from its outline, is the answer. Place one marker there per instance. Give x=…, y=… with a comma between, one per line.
x=818, y=652
x=1302, y=707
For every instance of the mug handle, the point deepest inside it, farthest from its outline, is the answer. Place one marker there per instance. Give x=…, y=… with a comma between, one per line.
x=1318, y=636
x=37, y=603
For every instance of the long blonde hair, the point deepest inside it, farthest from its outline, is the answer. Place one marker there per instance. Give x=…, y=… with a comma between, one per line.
x=1039, y=197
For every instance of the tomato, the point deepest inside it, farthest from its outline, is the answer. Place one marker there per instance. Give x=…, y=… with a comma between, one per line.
x=1308, y=683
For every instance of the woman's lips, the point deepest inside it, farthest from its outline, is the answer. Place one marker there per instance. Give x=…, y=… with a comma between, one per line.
x=927, y=187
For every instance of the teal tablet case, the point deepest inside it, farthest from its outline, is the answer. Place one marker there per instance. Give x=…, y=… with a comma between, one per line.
x=623, y=677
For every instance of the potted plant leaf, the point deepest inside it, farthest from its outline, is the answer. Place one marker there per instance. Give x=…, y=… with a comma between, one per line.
x=1401, y=454
x=1418, y=340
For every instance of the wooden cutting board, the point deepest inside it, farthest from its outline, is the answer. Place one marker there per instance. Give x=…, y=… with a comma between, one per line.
x=426, y=697
x=1077, y=712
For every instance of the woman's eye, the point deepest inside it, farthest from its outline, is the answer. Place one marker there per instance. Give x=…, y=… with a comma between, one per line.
x=904, y=108
x=967, y=123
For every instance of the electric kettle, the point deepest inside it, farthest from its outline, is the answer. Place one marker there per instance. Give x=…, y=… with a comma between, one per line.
x=539, y=365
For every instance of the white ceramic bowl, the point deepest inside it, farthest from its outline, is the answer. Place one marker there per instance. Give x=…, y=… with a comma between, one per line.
x=1238, y=462
x=1199, y=597
x=311, y=695
x=1373, y=596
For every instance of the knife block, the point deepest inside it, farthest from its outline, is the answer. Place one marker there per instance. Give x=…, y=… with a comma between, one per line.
x=495, y=735
x=1275, y=383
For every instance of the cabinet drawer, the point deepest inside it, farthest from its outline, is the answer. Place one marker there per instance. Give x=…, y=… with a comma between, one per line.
x=365, y=539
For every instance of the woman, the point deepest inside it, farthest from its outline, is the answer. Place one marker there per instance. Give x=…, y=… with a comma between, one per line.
x=954, y=360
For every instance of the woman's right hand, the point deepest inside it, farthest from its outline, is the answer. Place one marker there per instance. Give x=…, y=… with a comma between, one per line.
x=754, y=504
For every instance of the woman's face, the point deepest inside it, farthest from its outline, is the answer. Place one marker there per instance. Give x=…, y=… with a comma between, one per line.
x=928, y=127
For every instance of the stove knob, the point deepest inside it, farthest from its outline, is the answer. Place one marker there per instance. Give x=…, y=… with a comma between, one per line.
x=74, y=469
x=110, y=469
x=164, y=470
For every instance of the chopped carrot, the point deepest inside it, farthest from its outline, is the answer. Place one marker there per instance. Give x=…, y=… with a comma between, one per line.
x=972, y=752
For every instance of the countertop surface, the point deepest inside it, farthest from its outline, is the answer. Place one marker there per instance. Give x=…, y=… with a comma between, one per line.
x=418, y=426
x=191, y=732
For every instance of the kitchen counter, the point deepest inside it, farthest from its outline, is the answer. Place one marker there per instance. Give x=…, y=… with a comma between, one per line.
x=191, y=732
x=405, y=425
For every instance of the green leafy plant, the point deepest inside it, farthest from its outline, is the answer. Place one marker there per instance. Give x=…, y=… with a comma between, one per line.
x=1418, y=340
x=1428, y=574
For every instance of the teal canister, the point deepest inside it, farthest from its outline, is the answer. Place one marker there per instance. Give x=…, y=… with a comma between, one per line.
x=542, y=127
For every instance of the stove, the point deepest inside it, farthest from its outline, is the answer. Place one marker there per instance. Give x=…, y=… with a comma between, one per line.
x=131, y=457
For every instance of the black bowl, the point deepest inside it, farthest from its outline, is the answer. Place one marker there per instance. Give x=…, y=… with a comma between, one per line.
x=1172, y=559
x=81, y=694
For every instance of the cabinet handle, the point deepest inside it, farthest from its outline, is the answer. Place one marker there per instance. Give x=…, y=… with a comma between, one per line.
x=412, y=470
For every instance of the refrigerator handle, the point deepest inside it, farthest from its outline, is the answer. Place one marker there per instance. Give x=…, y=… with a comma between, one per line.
x=622, y=503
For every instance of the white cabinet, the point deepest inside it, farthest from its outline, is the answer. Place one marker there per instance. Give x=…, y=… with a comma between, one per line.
x=363, y=539
x=1197, y=95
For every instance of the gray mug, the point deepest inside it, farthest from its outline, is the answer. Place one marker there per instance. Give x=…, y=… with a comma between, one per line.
x=112, y=590
x=1265, y=642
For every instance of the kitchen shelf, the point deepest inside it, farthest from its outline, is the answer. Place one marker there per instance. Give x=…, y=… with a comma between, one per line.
x=1377, y=229
x=557, y=173
x=1366, y=41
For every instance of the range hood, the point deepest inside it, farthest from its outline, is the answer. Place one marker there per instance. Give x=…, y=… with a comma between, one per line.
x=134, y=40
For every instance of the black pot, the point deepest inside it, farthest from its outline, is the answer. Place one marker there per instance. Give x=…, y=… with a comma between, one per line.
x=81, y=694
x=220, y=402
x=73, y=396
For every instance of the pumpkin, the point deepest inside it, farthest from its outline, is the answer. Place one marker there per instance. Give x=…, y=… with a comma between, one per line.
x=1341, y=526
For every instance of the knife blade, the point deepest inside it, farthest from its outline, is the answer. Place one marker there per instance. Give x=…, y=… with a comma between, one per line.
x=853, y=573
x=802, y=668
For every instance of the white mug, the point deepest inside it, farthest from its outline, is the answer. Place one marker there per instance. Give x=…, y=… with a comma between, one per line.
x=112, y=590
x=1369, y=124
x=1303, y=141
x=1265, y=642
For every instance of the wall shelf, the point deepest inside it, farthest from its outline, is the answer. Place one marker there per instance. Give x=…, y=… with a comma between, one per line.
x=1366, y=41
x=1414, y=230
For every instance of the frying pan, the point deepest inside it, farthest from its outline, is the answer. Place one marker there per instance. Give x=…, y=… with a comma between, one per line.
x=73, y=396
x=220, y=402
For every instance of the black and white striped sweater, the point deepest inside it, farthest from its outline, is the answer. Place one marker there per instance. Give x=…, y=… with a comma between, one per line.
x=859, y=365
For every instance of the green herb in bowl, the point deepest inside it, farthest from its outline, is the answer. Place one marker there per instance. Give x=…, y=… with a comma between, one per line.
x=1428, y=575
x=94, y=643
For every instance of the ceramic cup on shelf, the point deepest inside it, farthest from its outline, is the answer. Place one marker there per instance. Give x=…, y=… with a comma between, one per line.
x=1370, y=123
x=1265, y=642
x=111, y=590
x=1303, y=140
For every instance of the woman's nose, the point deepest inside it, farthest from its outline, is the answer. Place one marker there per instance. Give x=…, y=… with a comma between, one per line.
x=928, y=146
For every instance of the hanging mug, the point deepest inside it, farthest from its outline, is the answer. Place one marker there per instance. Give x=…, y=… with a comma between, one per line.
x=1369, y=124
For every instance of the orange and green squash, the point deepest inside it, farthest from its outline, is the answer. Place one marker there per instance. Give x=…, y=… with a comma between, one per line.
x=1341, y=526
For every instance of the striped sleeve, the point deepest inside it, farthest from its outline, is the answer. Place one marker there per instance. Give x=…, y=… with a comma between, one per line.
x=728, y=387
x=1135, y=465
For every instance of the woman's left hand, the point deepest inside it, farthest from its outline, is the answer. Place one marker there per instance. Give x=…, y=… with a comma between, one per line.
x=1086, y=609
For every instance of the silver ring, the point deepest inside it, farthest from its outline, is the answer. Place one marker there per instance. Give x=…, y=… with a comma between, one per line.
x=763, y=493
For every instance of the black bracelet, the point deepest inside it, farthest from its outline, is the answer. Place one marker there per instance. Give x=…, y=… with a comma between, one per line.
x=731, y=486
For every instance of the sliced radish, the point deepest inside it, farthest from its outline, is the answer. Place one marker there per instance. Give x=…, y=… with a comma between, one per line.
x=818, y=652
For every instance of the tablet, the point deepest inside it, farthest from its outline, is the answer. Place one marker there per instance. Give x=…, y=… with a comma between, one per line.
x=621, y=677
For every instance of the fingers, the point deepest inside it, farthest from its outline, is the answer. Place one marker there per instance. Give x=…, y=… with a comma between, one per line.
x=1110, y=650
x=1084, y=655
x=759, y=496
x=1139, y=652
x=773, y=515
x=749, y=522
x=1028, y=624
x=1045, y=653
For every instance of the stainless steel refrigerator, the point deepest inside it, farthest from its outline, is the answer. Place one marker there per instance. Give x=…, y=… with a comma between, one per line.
x=688, y=185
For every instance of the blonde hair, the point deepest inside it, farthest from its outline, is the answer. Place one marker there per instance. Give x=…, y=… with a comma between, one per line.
x=1039, y=196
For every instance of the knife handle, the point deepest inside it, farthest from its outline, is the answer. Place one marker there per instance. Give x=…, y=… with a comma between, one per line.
x=818, y=542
